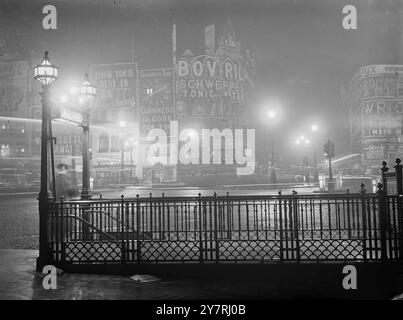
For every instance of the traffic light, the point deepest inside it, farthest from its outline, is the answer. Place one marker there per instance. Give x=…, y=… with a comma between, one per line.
x=332, y=152
x=329, y=149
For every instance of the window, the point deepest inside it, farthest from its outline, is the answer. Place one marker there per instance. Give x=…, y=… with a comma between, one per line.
x=103, y=143
x=115, y=144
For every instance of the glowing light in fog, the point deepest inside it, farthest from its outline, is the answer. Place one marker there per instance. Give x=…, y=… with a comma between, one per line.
x=272, y=114
x=64, y=98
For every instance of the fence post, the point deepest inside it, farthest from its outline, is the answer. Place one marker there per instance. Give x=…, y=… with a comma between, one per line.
x=384, y=170
x=228, y=216
x=61, y=237
x=215, y=228
x=122, y=229
x=151, y=217
x=399, y=182
x=161, y=220
x=85, y=209
x=382, y=220
x=296, y=224
x=138, y=228
x=200, y=229
x=364, y=221
x=280, y=216
x=398, y=168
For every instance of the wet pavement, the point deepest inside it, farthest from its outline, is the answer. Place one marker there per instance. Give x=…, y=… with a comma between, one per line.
x=18, y=280
x=19, y=218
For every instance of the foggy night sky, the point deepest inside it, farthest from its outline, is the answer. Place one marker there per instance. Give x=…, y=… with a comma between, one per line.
x=302, y=52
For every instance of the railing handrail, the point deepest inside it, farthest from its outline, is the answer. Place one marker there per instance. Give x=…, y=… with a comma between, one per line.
x=90, y=225
x=224, y=197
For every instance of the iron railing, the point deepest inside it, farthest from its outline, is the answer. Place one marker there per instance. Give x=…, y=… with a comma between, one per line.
x=280, y=228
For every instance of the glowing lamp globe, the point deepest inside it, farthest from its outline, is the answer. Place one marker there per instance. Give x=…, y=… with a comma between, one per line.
x=87, y=90
x=45, y=72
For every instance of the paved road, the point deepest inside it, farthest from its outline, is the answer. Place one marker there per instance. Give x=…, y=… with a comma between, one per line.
x=19, y=212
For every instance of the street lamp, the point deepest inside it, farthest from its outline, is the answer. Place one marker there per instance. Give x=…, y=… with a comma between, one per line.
x=315, y=128
x=87, y=93
x=130, y=144
x=304, y=141
x=272, y=115
x=45, y=73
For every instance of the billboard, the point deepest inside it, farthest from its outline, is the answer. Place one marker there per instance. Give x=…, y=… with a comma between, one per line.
x=13, y=86
x=371, y=70
x=156, y=99
x=117, y=87
x=210, y=86
x=382, y=117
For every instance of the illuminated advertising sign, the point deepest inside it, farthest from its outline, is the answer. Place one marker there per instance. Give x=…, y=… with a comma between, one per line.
x=68, y=140
x=379, y=106
x=382, y=117
x=371, y=70
x=117, y=86
x=378, y=86
x=13, y=85
x=208, y=79
x=156, y=99
x=210, y=86
x=375, y=152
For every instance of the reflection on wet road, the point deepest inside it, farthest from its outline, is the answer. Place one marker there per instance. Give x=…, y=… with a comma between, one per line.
x=19, y=218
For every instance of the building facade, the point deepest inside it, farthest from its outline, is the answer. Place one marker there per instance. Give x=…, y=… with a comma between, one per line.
x=374, y=99
x=209, y=90
x=205, y=90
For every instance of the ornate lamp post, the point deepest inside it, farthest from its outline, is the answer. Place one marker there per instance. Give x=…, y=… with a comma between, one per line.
x=130, y=144
x=87, y=94
x=304, y=142
x=45, y=73
x=272, y=115
x=314, y=129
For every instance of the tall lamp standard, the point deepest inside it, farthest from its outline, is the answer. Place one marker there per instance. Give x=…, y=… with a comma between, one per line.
x=314, y=129
x=87, y=94
x=130, y=144
x=272, y=115
x=45, y=73
x=303, y=141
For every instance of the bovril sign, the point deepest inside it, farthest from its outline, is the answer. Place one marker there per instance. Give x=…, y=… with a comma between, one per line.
x=208, y=77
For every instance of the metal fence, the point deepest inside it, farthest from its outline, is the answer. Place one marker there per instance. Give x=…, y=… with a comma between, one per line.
x=220, y=229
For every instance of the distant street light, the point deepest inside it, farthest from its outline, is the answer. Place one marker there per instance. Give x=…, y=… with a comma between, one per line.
x=45, y=73
x=131, y=144
x=302, y=140
x=315, y=128
x=64, y=98
x=272, y=115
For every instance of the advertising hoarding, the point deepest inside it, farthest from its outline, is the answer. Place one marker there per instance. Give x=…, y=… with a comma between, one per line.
x=156, y=99
x=209, y=86
x=13, y=86
x=117, y=91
